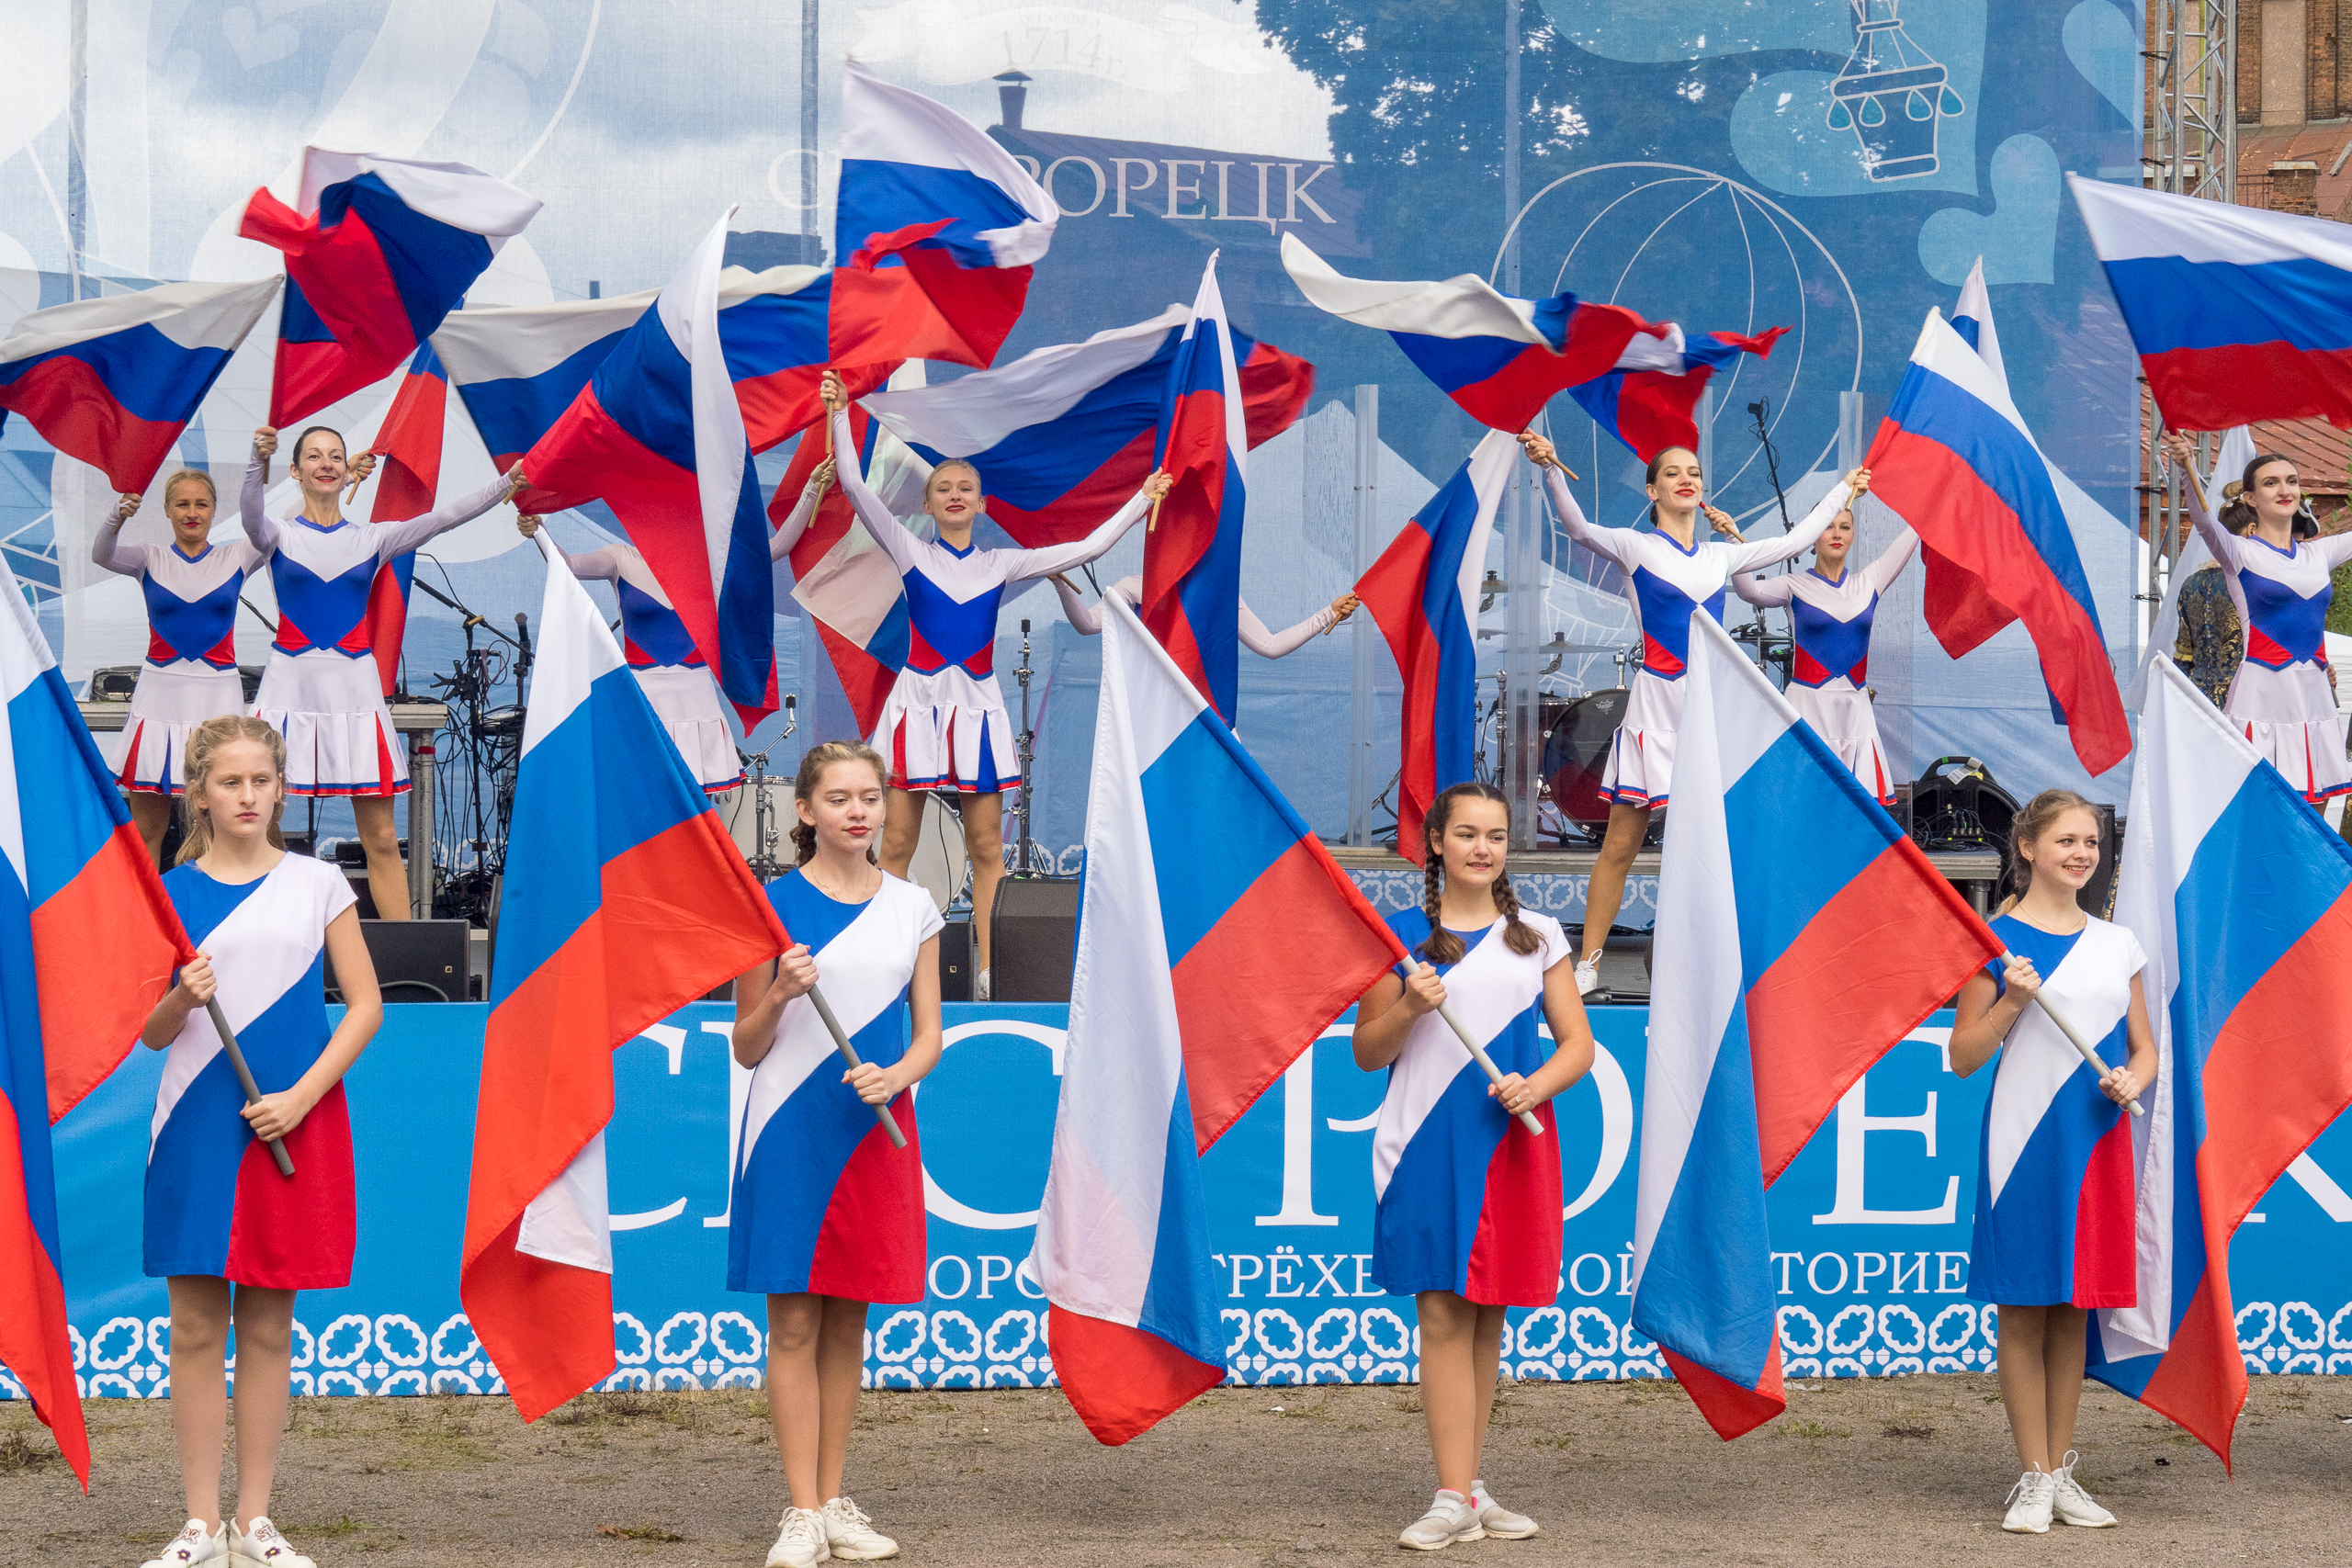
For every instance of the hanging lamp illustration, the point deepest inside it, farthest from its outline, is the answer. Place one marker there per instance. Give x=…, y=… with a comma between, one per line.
x=1891, y=93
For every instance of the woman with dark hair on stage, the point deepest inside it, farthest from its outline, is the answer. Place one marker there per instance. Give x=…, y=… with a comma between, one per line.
x=1468, y=1216
x=1669, y=575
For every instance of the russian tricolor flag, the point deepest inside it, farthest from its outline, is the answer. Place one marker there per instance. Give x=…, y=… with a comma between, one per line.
x=378, y=250
x=936, y=229
x=1423, y=593
x=71, y=865
x=1191, y=551
x=1650, y=410
x=2237, y=314
x=2242, y=897
x=1062, y=436
x=624, y=900
x=409, y=442
x=1202, y=888
x=1787, y=964
x=1955, y=461
x=518, y=367
x=113, y=382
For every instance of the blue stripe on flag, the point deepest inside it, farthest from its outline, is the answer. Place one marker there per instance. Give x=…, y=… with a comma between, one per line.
x=648, y=387
x=2174, y=303
x=879, y=198
x=1798, y=779
x=1203, y=780
x=24, y=1077
x=1180, y=1298
x=62, y=785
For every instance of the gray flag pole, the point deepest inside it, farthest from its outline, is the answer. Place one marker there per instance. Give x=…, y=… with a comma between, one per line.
x=849, y=1054
x=1478, y=1054
x=246, y=1078
x=2080, y=1044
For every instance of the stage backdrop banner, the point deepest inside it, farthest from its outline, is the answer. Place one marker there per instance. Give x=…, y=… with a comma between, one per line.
x=1873, y=1220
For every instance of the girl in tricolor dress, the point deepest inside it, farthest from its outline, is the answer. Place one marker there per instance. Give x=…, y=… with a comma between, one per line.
x=2054, y=1207
x=236, y=1239
x=1468, y=1221
x=191, y=587
x=827, y=1215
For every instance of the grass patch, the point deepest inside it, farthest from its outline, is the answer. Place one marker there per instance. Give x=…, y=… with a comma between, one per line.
x=638, y=1532
x=1907, y=1429
x=684, y=1411
x=330, y=1529
x=1802, y=1428
x=20, y=1454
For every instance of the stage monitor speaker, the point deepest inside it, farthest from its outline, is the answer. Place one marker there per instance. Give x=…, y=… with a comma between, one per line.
x=1032, y=939
x=955, y=960
x=416, y=961
x=2097, y=895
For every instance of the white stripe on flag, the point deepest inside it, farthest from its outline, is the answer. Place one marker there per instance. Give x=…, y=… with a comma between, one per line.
x=507, y=343
x=2127, y=224
x=976, y=412
x=193, y=315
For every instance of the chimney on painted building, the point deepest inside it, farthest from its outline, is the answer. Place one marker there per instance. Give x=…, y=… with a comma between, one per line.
x=1011, y=98
x=2294, y=187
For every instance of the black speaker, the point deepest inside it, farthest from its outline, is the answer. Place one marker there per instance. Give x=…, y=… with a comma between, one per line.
x=416, y=961
x=2097, y=895
x=955, y=960
x=1032, y=939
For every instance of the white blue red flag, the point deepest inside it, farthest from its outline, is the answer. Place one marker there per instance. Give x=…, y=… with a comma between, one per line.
x=113, y=382
x=624, y=900
x=2237, y=314
x=71, y=866
x=1650, y=410
x=1955, y=461
x=1203, y=886
x=936, y=229
x=2242, y=897
x=1191, y=551
x=378, y=250
x=1787, y=965
x=1062, y=436
x=1972, y=319
x=1423, y=593
x=1498, y=356
x=409, y=446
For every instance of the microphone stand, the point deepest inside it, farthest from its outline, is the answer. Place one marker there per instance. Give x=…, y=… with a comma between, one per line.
x=1758, y=410
x=1022, y=867
x=523, y=664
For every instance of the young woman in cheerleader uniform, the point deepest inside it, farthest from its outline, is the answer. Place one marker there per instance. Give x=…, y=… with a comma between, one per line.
x=1669, y=575
x=1468, y=1221
x=828, y=1217
x=234, y=1238
x=2055, y=1208
x=191, y=587
x=321, y=691
x=944, y=725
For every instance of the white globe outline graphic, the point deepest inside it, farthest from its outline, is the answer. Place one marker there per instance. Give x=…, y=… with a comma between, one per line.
x=1773, y=213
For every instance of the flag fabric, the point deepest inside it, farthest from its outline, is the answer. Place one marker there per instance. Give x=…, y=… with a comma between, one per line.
x=2235, y=451
x=377, y=251
x=624, y=900
x=1972, y=319
x=1202, y=885
x=1786, y=966
x=71, y=865
x=408, y=443
x=936, y=230
x=1192, y=553
x=659, y=434
x=113, y=381
x=773, y=327
x=1954, y=459
x=1062, y=436
x=848, y=586
x=1650, y=410
x=2243, y=898
x=2237, y=314
x=1500, y=358
x=1423, y=593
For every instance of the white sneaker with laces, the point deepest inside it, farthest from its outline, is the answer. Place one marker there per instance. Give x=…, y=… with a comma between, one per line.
x=1495, y=1519
x=1587, y=973
x=981, y=987
x=801, y=1543
x=193, y=1545
x=2070, y=1505
x=851, y=1535
x=1450, y=1517
x=264, y=1547
x=2029, y=1502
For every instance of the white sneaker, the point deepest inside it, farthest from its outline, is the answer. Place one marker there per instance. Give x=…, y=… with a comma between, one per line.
x=1495, y=1519
x=264, y=1547
x=2030, y=1501
x=981, y=987
x=2073, y=1506
x=1587, y=973
x=1451, y=1518
x=801, y=1543
x=850, y=1535
x=193, y=1545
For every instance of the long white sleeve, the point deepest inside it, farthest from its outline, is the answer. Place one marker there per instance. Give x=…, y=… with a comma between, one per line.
x=253, y=509
x=1028, y=565
x=398, y=538
x=1274, y=645
x=1796, y=541
x=1606, y=543
x=107, y=550
x=2218, y=539
x=1084, y=618
x=1765, y=593
x=1891, y=561
x=594, y=565
x=780, y=543
x=898, y=541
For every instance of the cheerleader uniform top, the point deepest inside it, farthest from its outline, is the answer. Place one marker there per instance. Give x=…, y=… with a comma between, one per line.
x=944, y=724
x=1468, y=1200
x=1667, y=584
x=1086, y=620
x=191, y=600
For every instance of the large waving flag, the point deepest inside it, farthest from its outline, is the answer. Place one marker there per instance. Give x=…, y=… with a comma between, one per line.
x=409, y=442
x=2237, y=314
x=113, y=382
x=657, y=434
x=624, y=900
x=1201, y=887
x=1955, y=461
x=1423, y=593
x=936, y=230
x=1192, y=552
x=71, y=865
x=1062, y=436
x=1786, y=965
x=1650, y=410
x=1500, y=357
x=378, y=250
x=2242, y=899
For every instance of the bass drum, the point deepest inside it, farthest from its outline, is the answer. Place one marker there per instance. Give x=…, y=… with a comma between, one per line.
x=938, y=865
x=1576, y=736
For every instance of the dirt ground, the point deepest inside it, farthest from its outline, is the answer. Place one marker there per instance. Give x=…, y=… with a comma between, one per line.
x=1908, y=1471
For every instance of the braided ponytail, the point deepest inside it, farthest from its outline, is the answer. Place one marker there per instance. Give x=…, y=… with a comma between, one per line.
x=1442, y=946
x=1517, y=935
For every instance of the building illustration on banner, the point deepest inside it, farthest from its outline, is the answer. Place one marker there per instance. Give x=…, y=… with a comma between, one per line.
x=1891, y=94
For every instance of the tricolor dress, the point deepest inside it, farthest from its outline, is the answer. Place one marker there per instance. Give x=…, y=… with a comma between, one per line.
x=1667, y=584
x=944, y=725
x=1469, y=1200
x=669, y=668
x=1087, y=621
x=2054, y=1222
x=216, y=1204
x=1830, y=619
x=322, y=690
x=822, y=1203
x=191, y=670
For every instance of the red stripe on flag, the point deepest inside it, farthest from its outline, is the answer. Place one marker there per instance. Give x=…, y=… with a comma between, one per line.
x=1080, y=509
x=2200, y=1383
x=2212, y=388
x=1274, y=390
x=94, y=999
x=347, y=283
x=866, y=680
x=1392, y=592
x=1733, y=1411
x=929, y=306
x=385, y=625
x=1186, y=525
x=34, y=1341
x=66, y=402
x=1122, y=1380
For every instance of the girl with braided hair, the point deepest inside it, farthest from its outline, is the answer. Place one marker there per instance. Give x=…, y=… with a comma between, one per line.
x=1468, y=1221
